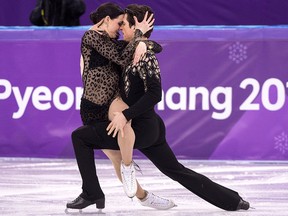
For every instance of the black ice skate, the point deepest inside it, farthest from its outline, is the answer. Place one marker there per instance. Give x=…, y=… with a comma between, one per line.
x=243, y=205
x=80, y=203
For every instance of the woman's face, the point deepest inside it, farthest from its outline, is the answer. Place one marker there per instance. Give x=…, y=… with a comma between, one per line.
x=127, y=31
x=113, y=26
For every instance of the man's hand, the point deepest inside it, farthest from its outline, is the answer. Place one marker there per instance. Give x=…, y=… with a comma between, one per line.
x=117, y=124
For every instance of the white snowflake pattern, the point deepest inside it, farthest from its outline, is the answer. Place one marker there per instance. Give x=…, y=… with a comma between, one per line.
x=281, y=143
x=237, y=52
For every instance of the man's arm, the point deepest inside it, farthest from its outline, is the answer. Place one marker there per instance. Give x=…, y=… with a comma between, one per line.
x=152, y=85
x=153, y=93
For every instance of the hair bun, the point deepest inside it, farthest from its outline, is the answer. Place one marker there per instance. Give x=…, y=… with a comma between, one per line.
x=94, y=17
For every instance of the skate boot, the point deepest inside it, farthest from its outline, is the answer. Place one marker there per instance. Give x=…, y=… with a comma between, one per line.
x=157, y=202
x=129, y=179
x=244, y=205
x=81, y=203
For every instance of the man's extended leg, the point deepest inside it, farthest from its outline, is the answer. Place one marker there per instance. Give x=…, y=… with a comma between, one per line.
x=165, y=160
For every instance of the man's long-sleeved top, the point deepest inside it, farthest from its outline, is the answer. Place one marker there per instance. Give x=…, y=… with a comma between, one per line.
x=140, y=86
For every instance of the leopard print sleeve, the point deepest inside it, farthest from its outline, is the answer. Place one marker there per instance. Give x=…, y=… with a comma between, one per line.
x=107, y=48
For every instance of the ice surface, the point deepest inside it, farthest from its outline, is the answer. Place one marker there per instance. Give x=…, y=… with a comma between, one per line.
x=34, y=187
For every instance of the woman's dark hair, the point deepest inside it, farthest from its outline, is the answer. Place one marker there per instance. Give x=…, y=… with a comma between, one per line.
x=107, y=9
x=138, y=11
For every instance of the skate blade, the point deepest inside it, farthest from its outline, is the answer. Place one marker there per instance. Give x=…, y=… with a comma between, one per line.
x=80, y=212
x=73, y=211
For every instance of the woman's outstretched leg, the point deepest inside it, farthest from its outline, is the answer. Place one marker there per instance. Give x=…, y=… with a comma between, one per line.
x=126, y=144
x=145, y=197
x=116, y=158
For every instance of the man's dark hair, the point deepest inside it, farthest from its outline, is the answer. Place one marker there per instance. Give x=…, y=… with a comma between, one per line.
x=138, y=11
x=107, y=9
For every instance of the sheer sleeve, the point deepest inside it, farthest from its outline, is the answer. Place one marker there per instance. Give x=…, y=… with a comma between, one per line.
x=107, y=48
x=149, y=71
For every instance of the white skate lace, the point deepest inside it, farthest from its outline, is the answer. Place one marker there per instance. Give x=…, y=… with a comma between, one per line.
x=128, y=178
x=137, y=167
x=157, y=202
x=129, y=181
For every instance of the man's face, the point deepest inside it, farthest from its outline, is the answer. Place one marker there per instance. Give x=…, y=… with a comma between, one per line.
x=114, y=26
x=128, y=32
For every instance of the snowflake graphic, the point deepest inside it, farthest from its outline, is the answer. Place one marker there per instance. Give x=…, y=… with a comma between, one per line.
x=237, y=52
x=281, y=143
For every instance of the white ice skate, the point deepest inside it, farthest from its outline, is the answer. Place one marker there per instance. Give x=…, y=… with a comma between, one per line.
x=157, y=202
x=129, y=179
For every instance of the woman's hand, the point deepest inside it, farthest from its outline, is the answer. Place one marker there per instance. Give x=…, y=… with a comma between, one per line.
x=139, y=52
x=146, y=24
x=96, y=27
x=117, y=124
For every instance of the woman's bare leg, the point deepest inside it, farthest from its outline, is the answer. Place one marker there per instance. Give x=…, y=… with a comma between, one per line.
x=115, y=158
x=125, y=143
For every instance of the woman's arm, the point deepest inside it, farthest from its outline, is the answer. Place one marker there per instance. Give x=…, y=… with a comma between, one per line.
x=107, y=48
x=142, y=48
